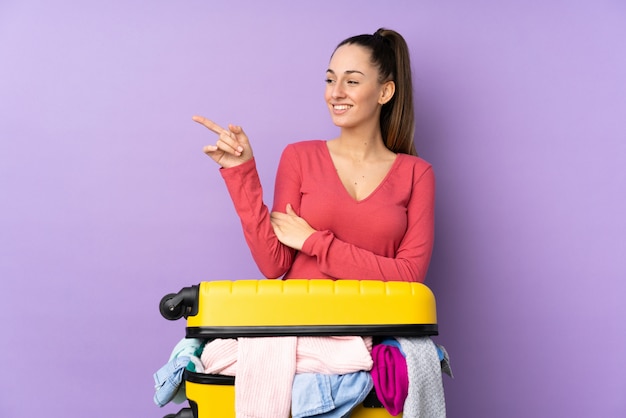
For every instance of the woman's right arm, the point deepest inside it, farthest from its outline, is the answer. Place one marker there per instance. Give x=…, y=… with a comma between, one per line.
x=233, y=153
x=244, y=186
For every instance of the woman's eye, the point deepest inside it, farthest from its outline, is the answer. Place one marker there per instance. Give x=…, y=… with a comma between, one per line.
x=329, y=81
x=353, y=82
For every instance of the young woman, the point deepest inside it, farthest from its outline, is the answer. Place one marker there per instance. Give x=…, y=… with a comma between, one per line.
x=359, y=206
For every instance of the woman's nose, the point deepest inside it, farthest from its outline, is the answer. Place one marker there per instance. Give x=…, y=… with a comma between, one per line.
x=337, y=90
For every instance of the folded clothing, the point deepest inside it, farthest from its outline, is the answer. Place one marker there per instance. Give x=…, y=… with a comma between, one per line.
x=169, y=384
x=264, y=367
x=390, y=377
x=425, y=398
x=328, y=396
x=327, y=355
x=168, y=379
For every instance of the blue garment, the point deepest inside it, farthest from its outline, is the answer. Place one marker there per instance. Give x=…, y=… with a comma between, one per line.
x=168, y=380
x=393, y=343
x=328, y=396
x=441, y=352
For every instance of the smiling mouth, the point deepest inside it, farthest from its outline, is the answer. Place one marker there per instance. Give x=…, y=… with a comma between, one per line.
x=341, y=107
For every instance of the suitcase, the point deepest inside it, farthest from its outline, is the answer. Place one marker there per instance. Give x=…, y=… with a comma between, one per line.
x=295, y=307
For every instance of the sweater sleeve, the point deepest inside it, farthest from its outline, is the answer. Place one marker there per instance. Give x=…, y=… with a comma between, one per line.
x=344, y=260
x=244, y=186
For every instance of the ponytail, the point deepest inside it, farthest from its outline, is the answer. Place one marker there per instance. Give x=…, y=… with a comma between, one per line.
x=390, y=54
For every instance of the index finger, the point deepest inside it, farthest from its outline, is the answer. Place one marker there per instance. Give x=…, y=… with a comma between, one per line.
x=209, y=124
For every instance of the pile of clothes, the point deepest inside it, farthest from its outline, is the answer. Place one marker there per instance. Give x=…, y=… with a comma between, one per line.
x=310, y=376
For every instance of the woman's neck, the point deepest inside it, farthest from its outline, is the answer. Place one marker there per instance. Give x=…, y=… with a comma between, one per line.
x=360, y=145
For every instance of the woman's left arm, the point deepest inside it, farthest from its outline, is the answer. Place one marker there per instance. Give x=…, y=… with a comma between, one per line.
x=341, y=259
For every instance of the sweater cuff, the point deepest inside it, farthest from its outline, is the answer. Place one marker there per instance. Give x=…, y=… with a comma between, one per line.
x=317, y=243
x=238, y=171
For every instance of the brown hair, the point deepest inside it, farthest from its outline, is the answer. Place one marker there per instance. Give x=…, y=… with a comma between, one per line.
x=390, y=54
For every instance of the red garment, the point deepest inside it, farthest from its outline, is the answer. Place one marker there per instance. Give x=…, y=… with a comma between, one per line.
x=386, y=236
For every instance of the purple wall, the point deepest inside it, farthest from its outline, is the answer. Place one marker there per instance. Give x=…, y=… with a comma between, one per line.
x=108, y=203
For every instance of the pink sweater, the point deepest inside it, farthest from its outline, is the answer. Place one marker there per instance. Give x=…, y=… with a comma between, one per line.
x=385, y=236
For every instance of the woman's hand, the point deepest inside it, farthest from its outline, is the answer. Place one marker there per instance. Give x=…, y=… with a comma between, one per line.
x=290, y=229
x=232, y=147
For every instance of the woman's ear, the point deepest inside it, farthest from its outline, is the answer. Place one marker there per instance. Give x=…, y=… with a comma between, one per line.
x=387, y=92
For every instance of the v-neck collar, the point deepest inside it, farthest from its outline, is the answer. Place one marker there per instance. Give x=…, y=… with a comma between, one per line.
x=385, y=179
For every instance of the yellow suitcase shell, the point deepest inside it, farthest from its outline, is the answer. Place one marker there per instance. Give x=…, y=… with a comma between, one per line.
x=304, y=307
x=249, y=308
x=218, y=399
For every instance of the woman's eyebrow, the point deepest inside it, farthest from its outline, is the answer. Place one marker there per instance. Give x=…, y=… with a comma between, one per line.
x=346, y=72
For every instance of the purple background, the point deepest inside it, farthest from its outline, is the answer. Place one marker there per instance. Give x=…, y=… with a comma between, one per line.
x=108, y=202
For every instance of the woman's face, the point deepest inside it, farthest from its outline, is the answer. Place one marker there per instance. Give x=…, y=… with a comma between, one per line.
x=353, y=93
